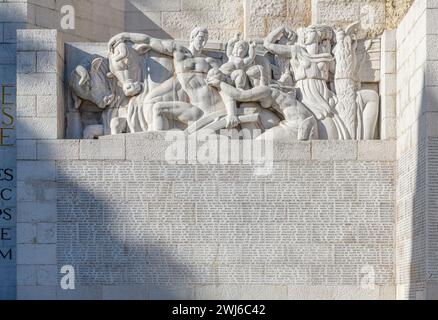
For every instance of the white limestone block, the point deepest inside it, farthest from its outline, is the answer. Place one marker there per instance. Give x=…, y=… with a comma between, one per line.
x=331, y=293
x=58, y=149
x=36, y=170
x=389, y=41
x=388, y=129
x=10, y=31
x=47, y=61
x=7, y=53
x=26, y=275
x=26, y=106
x=36, y=292
x=36, y=212
x=152, y=5
x=37, y=40
x=37, y=84
x=46, y=233
x=37, y=128
x=13, y=12
x=125, y=292
x=264, y=292
x=47, y=275
x=377, y=151
x=146, y=146
x=171, y=293
x=35, y=190
x=299, y=150
x=47, y=106
x=26, y=233
x=334, y=150
x=108, y=149
x=81, y=292
x=431, y=73
x=41, y=254
x=26, y=149
x=218, y=292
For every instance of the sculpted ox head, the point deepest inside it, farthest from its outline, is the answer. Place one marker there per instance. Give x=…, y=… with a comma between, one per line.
x=89, y=81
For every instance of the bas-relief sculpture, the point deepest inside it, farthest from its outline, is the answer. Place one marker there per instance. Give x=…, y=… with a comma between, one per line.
x=299, y=85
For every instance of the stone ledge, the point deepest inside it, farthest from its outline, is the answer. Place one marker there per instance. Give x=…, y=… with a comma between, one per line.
x=216, y=292
x=377, y=150
x=57, y=149
x=37, y=39
x=36, y=292
x=153, y=146
x=112, y=148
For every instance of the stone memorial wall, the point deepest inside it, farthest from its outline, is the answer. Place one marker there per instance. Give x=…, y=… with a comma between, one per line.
x=329, y=191
x=182, y=230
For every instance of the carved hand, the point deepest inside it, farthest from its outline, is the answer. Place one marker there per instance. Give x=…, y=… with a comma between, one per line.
x=288, y=32
x=232, y=121
x=121, y=37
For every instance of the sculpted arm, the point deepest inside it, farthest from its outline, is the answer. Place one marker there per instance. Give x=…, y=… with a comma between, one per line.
x=162, y=46
x=214, y=63
x=278, y=49
x=251, y=55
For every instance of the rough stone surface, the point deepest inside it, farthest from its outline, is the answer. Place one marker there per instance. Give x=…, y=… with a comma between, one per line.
x=264, y=16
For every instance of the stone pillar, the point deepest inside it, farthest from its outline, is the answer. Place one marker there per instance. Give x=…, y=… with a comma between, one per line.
x=39, y=85
x=417, y=149
x=13, y=15
x=388, y=84
x=40, y=121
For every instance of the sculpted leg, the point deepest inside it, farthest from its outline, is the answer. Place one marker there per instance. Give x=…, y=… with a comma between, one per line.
x=327, y=129
x=369, y=101
x=93, y=131
x=118, y=125
x=181, y=111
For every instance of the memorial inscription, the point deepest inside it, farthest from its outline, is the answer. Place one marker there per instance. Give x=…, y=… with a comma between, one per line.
x=158, y=224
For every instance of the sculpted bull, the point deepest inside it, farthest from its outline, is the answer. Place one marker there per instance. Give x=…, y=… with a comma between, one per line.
x=92, y=82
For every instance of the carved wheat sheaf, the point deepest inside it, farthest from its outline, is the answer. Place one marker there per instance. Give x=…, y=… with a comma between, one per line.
x=347, y=108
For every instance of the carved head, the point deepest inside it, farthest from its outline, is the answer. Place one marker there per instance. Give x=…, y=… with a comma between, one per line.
x=199, y=38
x=89, y=82
x=126, y=63
x=311, y=36
x=241, y=49
x=289, y=37
x=215, y=77
x=315, y=34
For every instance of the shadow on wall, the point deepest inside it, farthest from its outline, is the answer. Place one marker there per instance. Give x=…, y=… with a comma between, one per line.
x=112, y=246
x=138, y=21
x=417, y=220
x=423, y=205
